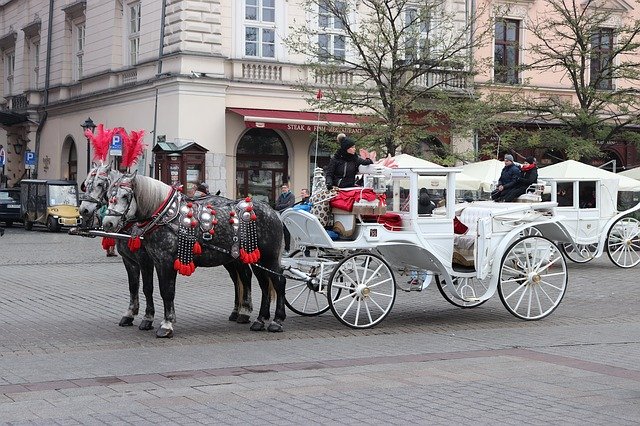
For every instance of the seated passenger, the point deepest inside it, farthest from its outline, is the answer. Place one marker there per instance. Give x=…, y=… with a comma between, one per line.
x=425, y=205
x=508, y=177
x=528, y=177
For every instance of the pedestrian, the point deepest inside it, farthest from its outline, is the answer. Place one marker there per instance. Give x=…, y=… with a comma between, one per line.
x=304, y=195
x=285, y=200
x=425, y=205
x=201, y=190
x=343, y=167
x=510, y=173
x=529, y=176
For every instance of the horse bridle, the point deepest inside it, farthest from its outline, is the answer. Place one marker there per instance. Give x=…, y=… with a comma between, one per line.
x=114, y=190
x=89, y=187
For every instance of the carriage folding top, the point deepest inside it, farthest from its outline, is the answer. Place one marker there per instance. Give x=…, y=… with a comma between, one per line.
x=511, y=248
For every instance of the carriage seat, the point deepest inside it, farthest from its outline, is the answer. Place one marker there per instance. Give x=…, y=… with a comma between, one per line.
x=463, y=244
x=533, y=194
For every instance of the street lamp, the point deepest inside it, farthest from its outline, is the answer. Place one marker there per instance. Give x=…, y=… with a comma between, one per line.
x=88, y=125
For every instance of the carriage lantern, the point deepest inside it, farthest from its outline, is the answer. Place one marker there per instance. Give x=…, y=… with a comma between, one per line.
x=377, y=181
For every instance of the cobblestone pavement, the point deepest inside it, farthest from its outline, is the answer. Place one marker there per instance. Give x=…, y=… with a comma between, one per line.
x=65, y=360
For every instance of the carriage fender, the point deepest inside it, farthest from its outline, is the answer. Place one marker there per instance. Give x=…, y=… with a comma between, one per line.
x=550, y=228
x=408, y=255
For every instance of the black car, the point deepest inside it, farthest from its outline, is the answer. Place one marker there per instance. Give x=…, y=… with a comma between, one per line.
x=10, y=206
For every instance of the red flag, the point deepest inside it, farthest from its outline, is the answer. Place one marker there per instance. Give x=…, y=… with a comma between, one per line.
x=319, y=94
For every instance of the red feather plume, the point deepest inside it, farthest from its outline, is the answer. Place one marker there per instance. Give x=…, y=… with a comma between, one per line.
x=100, y=141
x=132, y=147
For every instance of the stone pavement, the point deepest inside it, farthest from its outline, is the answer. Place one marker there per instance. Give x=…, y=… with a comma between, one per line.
x=64, y=360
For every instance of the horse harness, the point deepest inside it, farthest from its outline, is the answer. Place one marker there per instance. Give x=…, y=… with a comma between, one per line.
x=192, y=214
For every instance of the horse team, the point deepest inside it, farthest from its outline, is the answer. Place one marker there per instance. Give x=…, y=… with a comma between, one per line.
x=165, y=219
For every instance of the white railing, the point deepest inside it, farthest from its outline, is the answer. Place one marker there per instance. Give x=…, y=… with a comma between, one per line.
x=336, y=78
x=444, y=79
x=261, y=72
x=129, y=77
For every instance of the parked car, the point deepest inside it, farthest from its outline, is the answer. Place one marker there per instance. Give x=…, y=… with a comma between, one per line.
x=10, y=206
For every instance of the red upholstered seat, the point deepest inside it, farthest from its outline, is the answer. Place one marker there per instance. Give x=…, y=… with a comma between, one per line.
x=391, y=221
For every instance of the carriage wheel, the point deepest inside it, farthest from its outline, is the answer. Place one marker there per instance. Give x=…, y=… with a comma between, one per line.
x=579, y=253
x=530, y=231
x=304, y=298
x=533, y=278
x=623, y=242
x=468, y=288
x=362, y=290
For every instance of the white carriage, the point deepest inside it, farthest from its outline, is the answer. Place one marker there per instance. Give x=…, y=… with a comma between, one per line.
x=594, y=224
x=501, y=251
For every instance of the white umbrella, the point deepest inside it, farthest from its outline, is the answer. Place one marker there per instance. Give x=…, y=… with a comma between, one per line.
x=488, y=172
x=571, y=169
x=463, y=181
x=632, y=173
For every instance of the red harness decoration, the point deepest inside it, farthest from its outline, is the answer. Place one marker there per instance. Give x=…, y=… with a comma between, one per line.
x=249, y=251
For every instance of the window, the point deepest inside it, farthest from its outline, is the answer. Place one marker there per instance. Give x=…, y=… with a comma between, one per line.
x=78, y=36
x=331, y=39
x=9, y=69
x=601, y=57
x=34, y=59
x=260, y=28
x=133, y=33
x=417, y=45
x=506, y=51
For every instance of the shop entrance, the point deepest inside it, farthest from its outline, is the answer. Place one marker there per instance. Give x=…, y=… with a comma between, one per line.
x=261, y=165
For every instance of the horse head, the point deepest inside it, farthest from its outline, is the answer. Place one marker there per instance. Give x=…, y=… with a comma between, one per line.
x=122, y=204
x=94, y=189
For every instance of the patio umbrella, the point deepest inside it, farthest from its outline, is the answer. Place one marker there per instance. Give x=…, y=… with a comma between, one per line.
x=487, y=172
x=631, y=173
x=572, y=169
x=463, y=181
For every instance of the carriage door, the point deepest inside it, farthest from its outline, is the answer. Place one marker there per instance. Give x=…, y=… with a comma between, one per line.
x=588, y=211
x=261, y=165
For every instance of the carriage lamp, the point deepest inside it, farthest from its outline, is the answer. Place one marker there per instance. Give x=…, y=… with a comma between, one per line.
x=88, y=125
x=377, y=181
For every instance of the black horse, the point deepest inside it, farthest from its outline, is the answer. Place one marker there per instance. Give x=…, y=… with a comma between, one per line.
x=172, y=231
x=139, y=264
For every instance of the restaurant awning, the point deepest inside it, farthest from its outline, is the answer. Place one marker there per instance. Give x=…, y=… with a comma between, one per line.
x=298, y=120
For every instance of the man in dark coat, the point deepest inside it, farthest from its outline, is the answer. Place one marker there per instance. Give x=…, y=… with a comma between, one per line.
x=343, y=167
x=528, y=177
x=285, y=200
x=510, y=173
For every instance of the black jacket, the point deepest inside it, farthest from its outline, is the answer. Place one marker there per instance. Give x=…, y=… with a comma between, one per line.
x=285, y=200
x=527, y=178
x=342, y=169
x=509, y=176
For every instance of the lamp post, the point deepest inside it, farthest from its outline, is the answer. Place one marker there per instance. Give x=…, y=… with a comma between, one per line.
x=88, y=125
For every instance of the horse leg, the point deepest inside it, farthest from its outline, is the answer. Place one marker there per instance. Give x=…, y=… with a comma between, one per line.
x=167, y=284
x=146, y=268
x=133, y=275
x=276, y=283
x=265, y=299
x=241, y=276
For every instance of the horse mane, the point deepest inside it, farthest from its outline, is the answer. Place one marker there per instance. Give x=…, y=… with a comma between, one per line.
x=150, y=194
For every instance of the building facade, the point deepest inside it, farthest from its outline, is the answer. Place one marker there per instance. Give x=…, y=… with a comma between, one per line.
x=211, y=72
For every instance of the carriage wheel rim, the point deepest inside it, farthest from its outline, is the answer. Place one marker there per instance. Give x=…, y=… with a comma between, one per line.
x=623, y=243
x=533, y=278
x=361, y=290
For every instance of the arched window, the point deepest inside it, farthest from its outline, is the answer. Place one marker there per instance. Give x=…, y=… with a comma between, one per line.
x=432, y=149
x=70, y=158
x=261, y=165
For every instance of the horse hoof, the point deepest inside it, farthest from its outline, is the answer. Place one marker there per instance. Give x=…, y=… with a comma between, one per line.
x=257, y=326
x=146, y=325
x=243, y=319
x=126, y=322
x=164, y=333
x=233, y=316
x=274, y=327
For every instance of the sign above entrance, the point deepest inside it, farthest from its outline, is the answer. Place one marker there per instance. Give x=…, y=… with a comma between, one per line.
x=299, y=121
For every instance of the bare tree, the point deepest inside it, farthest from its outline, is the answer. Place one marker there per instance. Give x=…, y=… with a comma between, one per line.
x=400, y=63
x=593, y=49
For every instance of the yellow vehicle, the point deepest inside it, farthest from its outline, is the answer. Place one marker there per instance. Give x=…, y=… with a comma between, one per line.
x=52, y=203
